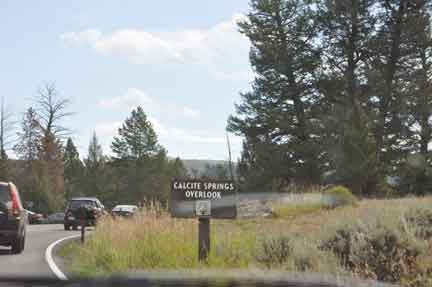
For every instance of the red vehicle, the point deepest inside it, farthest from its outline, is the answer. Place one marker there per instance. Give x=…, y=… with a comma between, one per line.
x=13, y=218
x=72, y=217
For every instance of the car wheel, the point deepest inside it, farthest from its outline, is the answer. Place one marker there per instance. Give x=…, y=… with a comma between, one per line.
x=18, y=245
x=67, y=227
x=75, y=227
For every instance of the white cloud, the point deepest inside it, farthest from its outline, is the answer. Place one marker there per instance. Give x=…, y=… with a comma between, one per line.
x=135, y=97
x=221, y=47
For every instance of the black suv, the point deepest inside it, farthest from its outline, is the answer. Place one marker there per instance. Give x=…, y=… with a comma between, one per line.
x=13, y=218
x=73, y=216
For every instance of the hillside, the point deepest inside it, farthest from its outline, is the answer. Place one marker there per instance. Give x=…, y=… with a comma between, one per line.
x=200, y=165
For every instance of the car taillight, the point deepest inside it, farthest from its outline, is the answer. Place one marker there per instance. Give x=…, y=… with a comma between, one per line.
x=15, y=210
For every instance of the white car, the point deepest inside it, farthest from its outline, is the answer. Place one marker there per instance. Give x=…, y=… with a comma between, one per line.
x=124, y=210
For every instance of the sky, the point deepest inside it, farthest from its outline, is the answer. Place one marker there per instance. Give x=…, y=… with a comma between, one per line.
x=184, y=62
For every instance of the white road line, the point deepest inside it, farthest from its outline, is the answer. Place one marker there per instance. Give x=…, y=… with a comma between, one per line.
x=49, y=258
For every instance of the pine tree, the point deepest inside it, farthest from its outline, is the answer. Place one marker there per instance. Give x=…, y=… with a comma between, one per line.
x=136, y=138
x=27, y=149
x=28, y=145
x=139, y=159
x=279, y=114
x=98, y=180
x=95, y=156
x=414, y=165
x=348, y=28
x=74, y=170
x=178, y=170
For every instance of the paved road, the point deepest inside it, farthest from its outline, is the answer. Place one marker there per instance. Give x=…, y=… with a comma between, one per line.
x=31, y=263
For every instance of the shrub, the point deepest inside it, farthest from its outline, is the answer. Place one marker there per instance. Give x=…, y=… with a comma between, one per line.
x=274, y=251
x=339, y=196
x=342, y=242
x=295, y=254
x=420, y=221
x=375, y=251
x=306, y=257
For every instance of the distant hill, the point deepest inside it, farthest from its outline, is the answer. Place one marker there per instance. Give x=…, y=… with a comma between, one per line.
x=200, y=165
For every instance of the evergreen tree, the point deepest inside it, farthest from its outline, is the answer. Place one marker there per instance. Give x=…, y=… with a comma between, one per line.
x=178, y=170
x=74, y=170
x=280, y=113
x=414, y=165
x=139, y=159
x=28, y=144
x=99, y=178
x=95, y=156
x=136, y=139
x=27, y=149
x=388, y=79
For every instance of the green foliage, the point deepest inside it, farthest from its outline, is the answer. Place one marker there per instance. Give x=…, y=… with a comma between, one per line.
x=136, y=138
x=375, y=251
x=74, y=170
x=142, y=169
x=98, y=176
x=330, y=95
x=339, y=196
x=415, y=175
x=281, y=130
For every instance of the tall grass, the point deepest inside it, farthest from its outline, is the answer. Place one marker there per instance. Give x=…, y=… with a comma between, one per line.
x=154, y=241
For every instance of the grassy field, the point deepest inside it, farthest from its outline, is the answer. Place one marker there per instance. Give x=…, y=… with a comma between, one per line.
x=388, y=240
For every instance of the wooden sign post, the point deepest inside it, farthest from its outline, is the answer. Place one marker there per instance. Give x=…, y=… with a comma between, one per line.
x=203, y=239
x=203, y=200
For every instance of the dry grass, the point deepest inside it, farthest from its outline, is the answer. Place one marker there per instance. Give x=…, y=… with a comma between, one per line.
x=155, y=241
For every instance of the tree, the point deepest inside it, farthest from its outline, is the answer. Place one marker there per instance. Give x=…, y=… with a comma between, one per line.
x=74, y=170
x=280, y=113
x=388, y=76
x=99, y=179
x=28, y=145
x=178, y=170
x=51, y=109
x=139, y=158
x=415, y=163
x=348, y=29
x=6, y=130
x=27, y=149
x=95, y=156
x=136, y=138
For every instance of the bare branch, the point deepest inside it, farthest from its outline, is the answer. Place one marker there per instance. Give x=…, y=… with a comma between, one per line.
x=52, y=110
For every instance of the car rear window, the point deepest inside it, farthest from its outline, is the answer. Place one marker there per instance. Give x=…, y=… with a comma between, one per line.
x=75, y=204
x=4, y=194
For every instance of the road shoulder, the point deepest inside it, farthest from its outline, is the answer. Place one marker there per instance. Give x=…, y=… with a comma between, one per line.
x=57, y=263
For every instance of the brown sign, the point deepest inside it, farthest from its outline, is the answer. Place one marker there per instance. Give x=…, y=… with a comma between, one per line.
x=206, y=199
